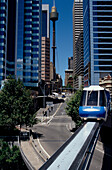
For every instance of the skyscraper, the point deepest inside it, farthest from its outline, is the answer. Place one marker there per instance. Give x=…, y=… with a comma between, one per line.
x=20, y=40
x=97, y=40
x=78, y=68
x=7, y=38
x=45, y=48
x=70, y=62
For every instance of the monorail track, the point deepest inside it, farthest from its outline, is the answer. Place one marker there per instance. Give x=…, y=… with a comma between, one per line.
x=77, y=151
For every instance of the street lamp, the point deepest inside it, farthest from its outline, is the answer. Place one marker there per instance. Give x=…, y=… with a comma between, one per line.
x=44, y=105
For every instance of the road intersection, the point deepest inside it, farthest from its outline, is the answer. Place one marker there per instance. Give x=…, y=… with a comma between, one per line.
x=54, y=132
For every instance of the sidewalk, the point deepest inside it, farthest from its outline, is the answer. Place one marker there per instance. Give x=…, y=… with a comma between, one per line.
x=31, y=154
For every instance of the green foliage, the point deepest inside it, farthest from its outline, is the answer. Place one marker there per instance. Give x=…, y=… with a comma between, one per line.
x=10, y=157
x=75, y=77
x=72, y=108
x=69, y=85
x=16, y=104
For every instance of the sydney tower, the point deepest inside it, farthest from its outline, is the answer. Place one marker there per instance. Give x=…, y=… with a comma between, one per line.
x=54, y=18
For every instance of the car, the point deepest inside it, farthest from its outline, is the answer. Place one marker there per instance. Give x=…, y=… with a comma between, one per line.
x=63, y=96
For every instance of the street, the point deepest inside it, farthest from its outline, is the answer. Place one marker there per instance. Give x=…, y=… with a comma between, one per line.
x=102, y=158
x=54, y=134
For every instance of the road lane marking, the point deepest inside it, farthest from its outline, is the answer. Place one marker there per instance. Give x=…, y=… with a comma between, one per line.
x=54, y=114
x=68, y=129
x=103, y=152
x=48, y=123
x=69, y=154
x=43, y=149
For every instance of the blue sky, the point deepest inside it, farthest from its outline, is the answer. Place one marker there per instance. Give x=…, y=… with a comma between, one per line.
x=64, y=34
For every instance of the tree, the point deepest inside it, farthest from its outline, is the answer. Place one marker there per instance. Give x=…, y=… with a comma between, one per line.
x=75, y=77
x=72, y=108
x=16, y=104
x=10, y=157
x=69, y=86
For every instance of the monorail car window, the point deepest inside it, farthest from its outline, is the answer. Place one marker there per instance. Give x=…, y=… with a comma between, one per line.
x=108, y=96
x=92, y=98
x=83, y=98
x=102, y=98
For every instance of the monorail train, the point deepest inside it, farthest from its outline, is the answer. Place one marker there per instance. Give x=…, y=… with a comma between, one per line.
x=95, y=103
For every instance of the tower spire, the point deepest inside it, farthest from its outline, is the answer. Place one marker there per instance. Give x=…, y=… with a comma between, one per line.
x=53, y=2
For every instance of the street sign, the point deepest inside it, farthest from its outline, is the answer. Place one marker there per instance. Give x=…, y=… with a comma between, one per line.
x=49, y=103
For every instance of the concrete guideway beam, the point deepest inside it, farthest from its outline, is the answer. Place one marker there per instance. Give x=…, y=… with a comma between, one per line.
x=71, y=152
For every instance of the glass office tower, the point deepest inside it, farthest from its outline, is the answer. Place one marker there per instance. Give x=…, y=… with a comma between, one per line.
x=20, y=40
x=3, y=39
x=97, y=20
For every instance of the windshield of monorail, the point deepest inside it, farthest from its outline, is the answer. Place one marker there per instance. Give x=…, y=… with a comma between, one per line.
x=90, y=98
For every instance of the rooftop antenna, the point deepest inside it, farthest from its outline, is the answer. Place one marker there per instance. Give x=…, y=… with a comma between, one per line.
x=53, y=2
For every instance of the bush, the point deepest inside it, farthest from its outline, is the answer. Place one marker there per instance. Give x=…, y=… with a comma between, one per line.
x=10, y=157
x=72, y=108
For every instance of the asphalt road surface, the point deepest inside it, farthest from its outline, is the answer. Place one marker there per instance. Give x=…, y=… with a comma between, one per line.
x=54, y=134
x=102, y=158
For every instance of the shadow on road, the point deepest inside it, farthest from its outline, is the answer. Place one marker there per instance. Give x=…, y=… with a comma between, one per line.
x=106, y=138
x=39, y=101
x=36, y=135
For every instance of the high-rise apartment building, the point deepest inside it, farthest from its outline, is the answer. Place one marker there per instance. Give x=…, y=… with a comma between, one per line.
x=97, y=40
x=78, y=68
x=69, y=77
x=45, y=47
x=69, y=73
x=70, y=62
x=20, y=40
x=106, y=82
